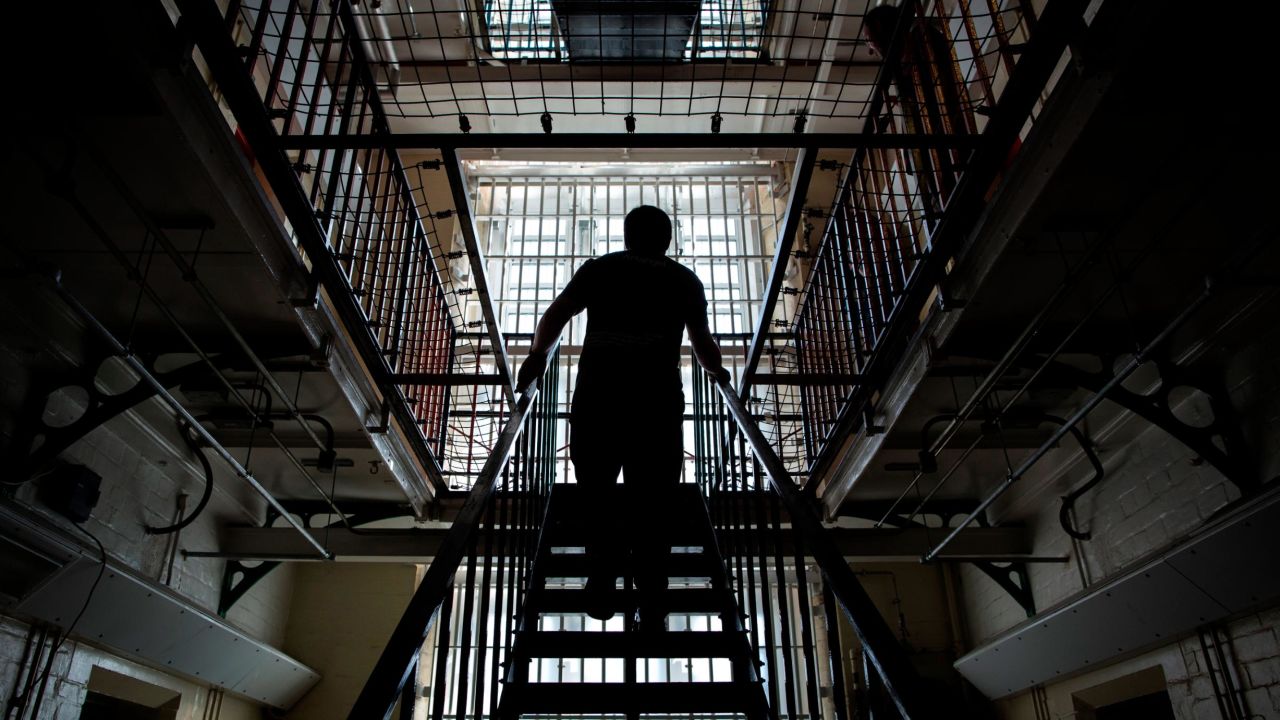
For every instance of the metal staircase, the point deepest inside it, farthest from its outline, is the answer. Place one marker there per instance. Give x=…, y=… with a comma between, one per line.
x=698, y=589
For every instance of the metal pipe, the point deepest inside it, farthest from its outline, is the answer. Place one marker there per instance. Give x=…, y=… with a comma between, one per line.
x=165, y=310
x=189, y=275
x=1134, y=363
x=119, y=349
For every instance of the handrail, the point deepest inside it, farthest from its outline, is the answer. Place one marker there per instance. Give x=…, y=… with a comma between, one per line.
x=398, y=658
x=884, y=652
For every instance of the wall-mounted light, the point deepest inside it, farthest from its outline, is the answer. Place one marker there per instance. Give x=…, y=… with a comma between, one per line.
x=716, y=120
x=801, y=119
x=546, y=122
x=630, y=122
x=464, y=124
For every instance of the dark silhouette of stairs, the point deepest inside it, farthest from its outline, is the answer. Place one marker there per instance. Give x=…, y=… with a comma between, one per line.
x=699, y=591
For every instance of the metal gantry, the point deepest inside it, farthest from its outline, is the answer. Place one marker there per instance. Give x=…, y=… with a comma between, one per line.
x=943, y=92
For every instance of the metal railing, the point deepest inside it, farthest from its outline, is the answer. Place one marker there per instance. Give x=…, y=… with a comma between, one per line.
x=899, y=214
x=307, y=68
x=769, y=533
x=477, y=581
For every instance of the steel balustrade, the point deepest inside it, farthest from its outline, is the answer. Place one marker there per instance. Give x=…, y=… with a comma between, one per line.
x=476, y=583
x=771, y=537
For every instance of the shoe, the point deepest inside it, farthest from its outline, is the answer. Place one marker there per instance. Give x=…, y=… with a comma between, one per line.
x=599, y=595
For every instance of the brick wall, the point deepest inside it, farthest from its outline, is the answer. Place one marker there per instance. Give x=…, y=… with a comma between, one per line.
x=1155, y=492
x=143, y=465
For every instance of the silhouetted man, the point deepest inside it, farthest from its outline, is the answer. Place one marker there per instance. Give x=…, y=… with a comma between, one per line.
x=628, y=405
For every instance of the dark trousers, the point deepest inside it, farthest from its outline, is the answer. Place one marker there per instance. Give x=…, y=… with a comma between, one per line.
x=640, y=432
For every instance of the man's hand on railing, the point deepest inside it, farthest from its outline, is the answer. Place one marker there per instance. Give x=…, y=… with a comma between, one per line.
x=718, y=373
x=530, y=370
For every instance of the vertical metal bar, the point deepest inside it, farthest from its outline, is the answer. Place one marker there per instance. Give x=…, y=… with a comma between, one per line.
x=465, y=635
x=800, y=177
x=259, y=31
x=759, y=525
x=482, y=631
x=502, y=594
x=300, y=72
x=465, y=219
x=835, y=652
x=784, y=607
x=282, y=53
x=806, y=625
x=442, y=655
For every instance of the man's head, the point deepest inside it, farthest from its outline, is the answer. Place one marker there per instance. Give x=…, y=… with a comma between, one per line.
x=647, y=230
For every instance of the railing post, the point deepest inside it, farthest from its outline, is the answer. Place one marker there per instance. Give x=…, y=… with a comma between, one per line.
x=884, y=653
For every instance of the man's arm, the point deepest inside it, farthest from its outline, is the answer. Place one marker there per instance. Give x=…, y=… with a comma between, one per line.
x=706, y=349
x=558, y=314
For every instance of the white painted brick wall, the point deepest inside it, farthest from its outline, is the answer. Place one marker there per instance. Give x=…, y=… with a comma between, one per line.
x=141, y=478
x=1154, y=493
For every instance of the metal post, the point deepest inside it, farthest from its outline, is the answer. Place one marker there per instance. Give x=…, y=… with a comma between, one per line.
x=479, y=275
x=782, y=245
x=884, y=652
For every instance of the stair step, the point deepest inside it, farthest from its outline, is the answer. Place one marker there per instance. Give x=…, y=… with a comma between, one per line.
x=691, y=697
x=693, y=600
x=681, y=644
x=695, y=565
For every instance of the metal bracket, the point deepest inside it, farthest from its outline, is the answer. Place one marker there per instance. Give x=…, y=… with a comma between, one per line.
x=1230, y=457
x=1010, y=576
x=239, y=577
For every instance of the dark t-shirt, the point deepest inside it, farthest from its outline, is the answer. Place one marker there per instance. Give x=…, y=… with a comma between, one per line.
x=637, y=308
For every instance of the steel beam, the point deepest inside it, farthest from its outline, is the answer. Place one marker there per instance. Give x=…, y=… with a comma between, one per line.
x=782, y=245
x=422, y=544
x=479, y=276
x=633, y=141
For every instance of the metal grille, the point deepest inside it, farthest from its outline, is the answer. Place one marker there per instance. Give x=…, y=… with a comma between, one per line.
x=539, y=223
x=431, y=59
